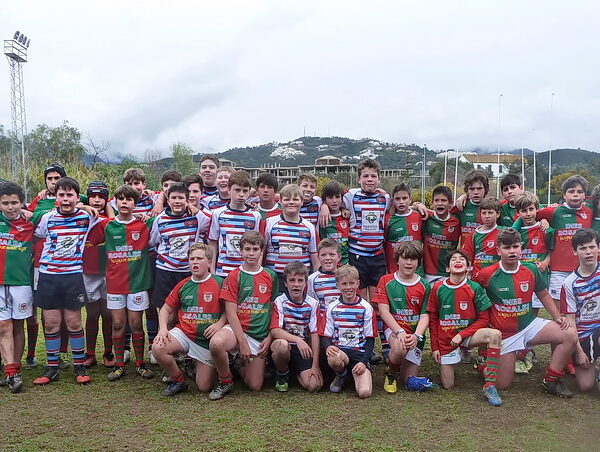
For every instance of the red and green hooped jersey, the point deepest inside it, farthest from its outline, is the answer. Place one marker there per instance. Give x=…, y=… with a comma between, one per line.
x=94, y=253
x=456, y=309
x=510, y=294
x=198, y=306
x=470, y=219
x=253, y=293
x=401, y=227
x=536, y=244
x=482, y=248
x=508, y=214
x=565, y=221
x=338, y=229
x=439, y=237
x=16, y=245
x=127, y=264
x=407, y=301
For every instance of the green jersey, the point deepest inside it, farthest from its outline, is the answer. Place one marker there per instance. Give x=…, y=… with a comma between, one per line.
x=16, y=244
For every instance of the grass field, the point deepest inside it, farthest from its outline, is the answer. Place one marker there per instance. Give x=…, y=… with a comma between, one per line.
x=131, y=414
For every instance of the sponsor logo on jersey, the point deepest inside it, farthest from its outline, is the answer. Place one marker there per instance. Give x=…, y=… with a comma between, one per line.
x=262, y=288
x=349, y=336
x=524, y=286
x=371, y=218
x=591, y=305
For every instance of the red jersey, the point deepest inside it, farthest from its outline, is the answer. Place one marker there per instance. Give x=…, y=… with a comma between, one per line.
x=482, y=248
x=94, y=253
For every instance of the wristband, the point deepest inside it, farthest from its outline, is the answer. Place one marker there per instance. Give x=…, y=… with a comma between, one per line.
x=420, y=337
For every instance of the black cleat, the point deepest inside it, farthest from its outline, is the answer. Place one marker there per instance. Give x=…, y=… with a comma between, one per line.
x=557, y=388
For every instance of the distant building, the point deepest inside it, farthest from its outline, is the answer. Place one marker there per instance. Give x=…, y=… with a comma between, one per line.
x=489, y=162
x=226, y=162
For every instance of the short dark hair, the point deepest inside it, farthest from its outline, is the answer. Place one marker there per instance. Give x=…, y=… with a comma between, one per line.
x=595, y=201
x=477, y=175
x=10, y=188
x=508, y=237
x=329, y=243
x=127, y=191
x=331, y=189
x=510, y=179
x=193, y=179
x=462, y=253
x=67, y=183
x=401, y=187
x=212, y=157
x=253, y=238
x=442, y=190
x=295, y=268
x=178, y=187
x=583, y=236
x=573, y=182
x=132, y=174
x=267, y=179
x=170, y=175
x=526, y=199
x=490, y=204
x=368, y=163
x=239, y=178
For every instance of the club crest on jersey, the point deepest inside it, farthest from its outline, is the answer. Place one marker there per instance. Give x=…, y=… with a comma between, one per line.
x=463, y=305
x=343, y=224
x=19, y=228
x=524, y=286
x=80, y=223
x=535, y=241
x=248, y=224
x=451, y=229
x=135, y=235
x=262, y=288
x=490, y=244
x=414, y=300
x=189, y=223
x=208, y=297
x=380, y=199
x=584, y=215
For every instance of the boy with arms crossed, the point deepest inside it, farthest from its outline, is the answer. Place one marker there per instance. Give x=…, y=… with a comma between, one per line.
x=580, y=302
x=229, y=224
x=459, y=310
x=16, y=298
x=248, y=293
x=349, y=334
x=128, y=279
x=510, y=286
x=401, y=298
x=200, y=315
x=293, y=328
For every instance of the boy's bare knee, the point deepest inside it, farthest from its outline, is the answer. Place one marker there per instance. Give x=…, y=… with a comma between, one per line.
x=364, y=393
x=279, y=346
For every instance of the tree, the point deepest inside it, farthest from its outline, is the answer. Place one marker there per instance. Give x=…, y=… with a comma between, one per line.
x=55, y=144
x=183, y=158
x=557, y=181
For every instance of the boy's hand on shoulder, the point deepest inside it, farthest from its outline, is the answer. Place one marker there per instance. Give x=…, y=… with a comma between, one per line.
x=544, y=225
x=359, y=368
x=304, y=349
x=380, y=191
x=422, y=209
x=541, y=266
x=90, y=210
x=332, y=351
x=43, y=193
x=324, y=215
x=461, y=201
x=142, y=217
x=193, y=210
x=26, y=214
x=437, y=356
x=345, y=213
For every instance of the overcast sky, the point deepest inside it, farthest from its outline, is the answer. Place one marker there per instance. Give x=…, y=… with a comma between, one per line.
x=221, y=74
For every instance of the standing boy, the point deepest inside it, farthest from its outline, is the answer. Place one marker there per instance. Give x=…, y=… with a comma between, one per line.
x=266, y=189
x=511, y=187
x=510, y=285
x=476, y=188
x=209, y=163
x=580, y=302
x=459, y=310
x=289, y=237
x=200, y=315
x=311, y=204
x=401, y=298
x=248, y=293
x=441, y=233
x=229, y=224
x=338, y=227
x=349, y=334
x=294, y=331
x=222, y=197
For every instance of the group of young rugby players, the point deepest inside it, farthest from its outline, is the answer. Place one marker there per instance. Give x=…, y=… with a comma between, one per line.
x=236, y=279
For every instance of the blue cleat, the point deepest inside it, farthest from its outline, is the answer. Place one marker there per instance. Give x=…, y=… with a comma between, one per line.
x=491, y=395
x=420, y=384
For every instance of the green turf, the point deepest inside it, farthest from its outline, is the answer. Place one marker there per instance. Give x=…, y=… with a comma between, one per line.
x=132, y=414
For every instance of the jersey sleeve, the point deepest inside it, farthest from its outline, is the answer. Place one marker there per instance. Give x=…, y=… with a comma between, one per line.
x=549, y=237
x=434, y=319
x=204, y=221
x=540, y=281
x=214, y=231
x=483, y=277
x=469, y=249
x=310, y=290
x=370, y=322
x=483, y=320
x=545, y=214
x=155, y=237
x=312, y=323
x=276, y=315
x=173, y=298
x=380, y=296
x=482, y=301
x=41, y=231
x=328, y=329
x=312, y=246
x=275, y=288
x=229, y=289
x=427, y=287
x=96, y=235
x=568, y=302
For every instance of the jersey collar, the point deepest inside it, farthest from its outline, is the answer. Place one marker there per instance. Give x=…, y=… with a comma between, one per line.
x=249, y=272
x=202, y=280
x=404, y=214
x=454, y=286
x=485, y=232
x=407, y=284
x=510, y=272
x=536, y=224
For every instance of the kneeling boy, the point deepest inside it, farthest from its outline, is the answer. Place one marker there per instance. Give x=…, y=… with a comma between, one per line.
x=293, y=324
x=200, y=315
x=510, y=285
x=459, y=310
x=248, y=292
x=349, y=334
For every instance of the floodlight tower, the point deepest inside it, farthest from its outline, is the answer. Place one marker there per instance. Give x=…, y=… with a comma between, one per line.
x=15, y=50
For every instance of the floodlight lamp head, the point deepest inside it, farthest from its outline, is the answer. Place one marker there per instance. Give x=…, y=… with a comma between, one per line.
x=28, y=41
x=21, y=38
x=16, y=35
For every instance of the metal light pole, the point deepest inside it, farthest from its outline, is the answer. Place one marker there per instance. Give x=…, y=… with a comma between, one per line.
x=455, y=175
x=15, y=50
x=534, y=174
x=498, y=149
x=423, y=178
x=550, y=149
x=522, y=167
x=445, y=166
